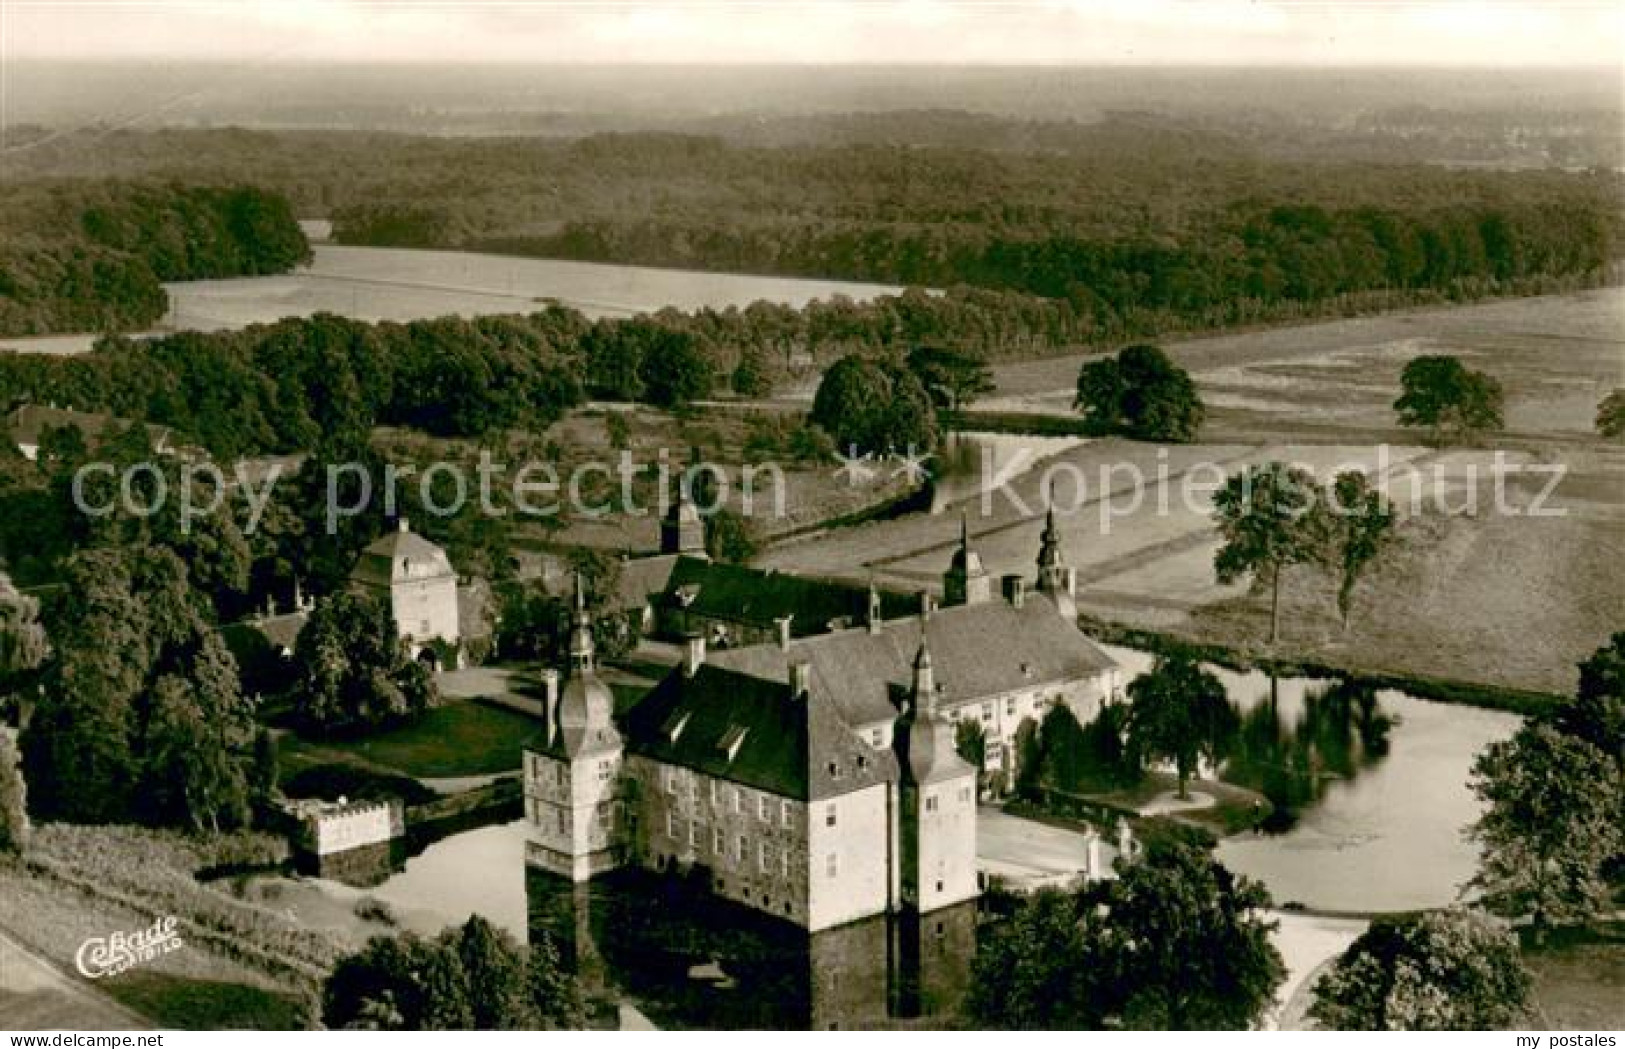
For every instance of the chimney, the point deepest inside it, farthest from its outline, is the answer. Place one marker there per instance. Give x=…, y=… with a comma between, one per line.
x=782, y=623
x=1091, y=843
x=1015, y=590
x=873, y=621
x=928, y=604
x=694, y=655
x=550, y=692
x=800, y=678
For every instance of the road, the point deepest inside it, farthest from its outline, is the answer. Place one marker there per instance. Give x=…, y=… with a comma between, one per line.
x=37, y=996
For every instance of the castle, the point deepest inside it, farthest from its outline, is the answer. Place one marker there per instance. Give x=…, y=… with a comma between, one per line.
x=815, y=779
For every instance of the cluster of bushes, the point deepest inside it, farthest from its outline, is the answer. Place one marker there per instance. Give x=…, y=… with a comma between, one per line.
x=90, y=257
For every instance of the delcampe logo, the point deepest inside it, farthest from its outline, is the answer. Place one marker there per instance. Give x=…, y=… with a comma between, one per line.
x=102, y=956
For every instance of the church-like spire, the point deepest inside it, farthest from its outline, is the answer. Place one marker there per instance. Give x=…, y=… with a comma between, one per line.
x=1049, y=549
x=923, y=696
x=966, y=581
x=582, y=649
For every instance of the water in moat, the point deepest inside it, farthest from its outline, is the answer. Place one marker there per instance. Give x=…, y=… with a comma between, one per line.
x=1370, y=786
x=1371, y=798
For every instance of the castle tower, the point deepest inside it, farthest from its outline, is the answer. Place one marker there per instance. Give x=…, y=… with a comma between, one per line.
x=572, y=773
x=966, y=582
x=1055, y=577
x=936, y=823
x=682, y=530
x=938, y=800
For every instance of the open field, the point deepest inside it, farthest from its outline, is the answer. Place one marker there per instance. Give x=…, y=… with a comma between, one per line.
x=399, y=284
x=1478, y=586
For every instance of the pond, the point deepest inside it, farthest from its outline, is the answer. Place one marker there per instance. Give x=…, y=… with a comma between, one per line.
x=1372, y=784
x=974, y=456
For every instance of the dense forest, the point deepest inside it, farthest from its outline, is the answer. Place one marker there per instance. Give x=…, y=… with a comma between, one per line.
x=84, y=256
x=1141, y=225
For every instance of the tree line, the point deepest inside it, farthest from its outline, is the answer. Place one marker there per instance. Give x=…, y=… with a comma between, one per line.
x=86, y=256
x=306, y=383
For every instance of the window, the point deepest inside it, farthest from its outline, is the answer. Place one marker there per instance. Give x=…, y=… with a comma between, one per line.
x=784, y=814
x=564, y=822
x=987, y=712
x=558, y=774
x=875, y=737
x=739, y=849
x=671, y=825
x=695, y=828
x=832, y=865
x=714, y=792
x=964, y=793
x=719, y=841
x=733, y=798
x=829, y=814
x=761, y=809
x=671, y=781
x=784, y=864
x=931, y=803
x=764, y=857
x=604, y=770
x=835, y=770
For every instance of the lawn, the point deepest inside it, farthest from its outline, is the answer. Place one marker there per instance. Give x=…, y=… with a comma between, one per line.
x=460, y=738
x=205, y=1005
x=1580, y=980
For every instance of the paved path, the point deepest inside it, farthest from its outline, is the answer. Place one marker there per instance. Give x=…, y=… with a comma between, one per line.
x=1031, y=853
x=37, y=996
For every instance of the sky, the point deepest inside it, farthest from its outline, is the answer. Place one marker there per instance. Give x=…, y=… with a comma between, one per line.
x=1523, y=33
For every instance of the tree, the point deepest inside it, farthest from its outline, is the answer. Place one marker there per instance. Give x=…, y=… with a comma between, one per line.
x=970, y=743
x=353, y=670
x=23, y=645
x=1270, y=518
x=1596, y=714
x=1451, y=400
x=141, y=716
x=731, y=537
x=13, y=798
x=1175, y=942
x=675, y=371
x=1451, y=970
x=951, y=378
x=1141, y=393
x=1611, y=415
x=752, y=376
x=470, y=977
x=874, y=406
x=1551, y=823
x=1179, y=712
x=1361, y=523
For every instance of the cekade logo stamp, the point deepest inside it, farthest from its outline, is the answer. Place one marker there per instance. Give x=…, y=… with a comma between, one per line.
x=102, y=956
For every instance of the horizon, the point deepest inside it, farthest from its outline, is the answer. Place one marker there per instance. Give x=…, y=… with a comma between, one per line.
x=988, y=34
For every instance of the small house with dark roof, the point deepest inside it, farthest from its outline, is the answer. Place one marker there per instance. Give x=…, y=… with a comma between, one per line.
x=28, y=424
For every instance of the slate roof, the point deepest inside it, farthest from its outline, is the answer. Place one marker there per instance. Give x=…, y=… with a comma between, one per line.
x=979, y=650
x=752, y=730
x=30, y=421
x=400, y=555
x=735, y=593
x=643, y=578
x=279, y=631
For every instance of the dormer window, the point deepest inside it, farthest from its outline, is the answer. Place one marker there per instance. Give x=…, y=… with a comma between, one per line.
x=835, y=770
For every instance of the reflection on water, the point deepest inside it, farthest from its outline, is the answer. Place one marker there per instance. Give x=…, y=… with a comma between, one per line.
x=1340, y=732
x=970, y=458
x=690, y=960
x=1373, y=785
